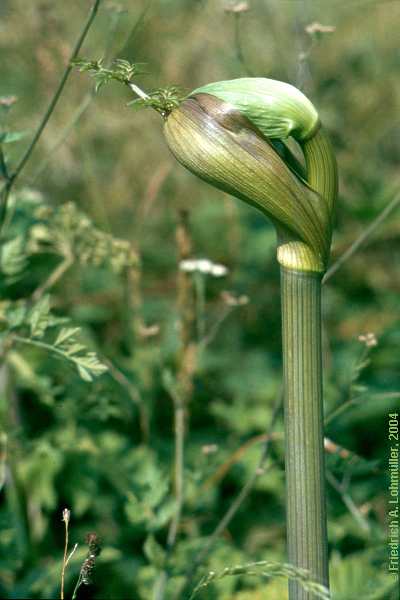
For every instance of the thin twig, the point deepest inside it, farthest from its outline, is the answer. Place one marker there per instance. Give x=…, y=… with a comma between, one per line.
x=133, y=393
x=356, y=245
x=90, y=96
x=210, y=335
x=200, y=285
x=348, y=501
x=77, y=586
x=303, y=74
x=189, y=350
x=181, y=393
x=179, y=425
x=64, y=563
x=53, y=278
x=350, y=399
x=152, y=191
x=66, y=517
x=28, y=153
x=238, y=46
x=84, y=105
x=341, y=408
x=126, y=47
x=70, y=555
x=3, y=165
x=357, y=400
x=179, y=457
x=223, y=469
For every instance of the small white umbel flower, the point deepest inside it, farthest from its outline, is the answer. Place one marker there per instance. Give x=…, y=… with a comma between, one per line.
x=203, y=265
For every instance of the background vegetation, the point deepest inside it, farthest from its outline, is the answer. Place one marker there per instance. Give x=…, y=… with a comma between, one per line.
x=95, y=231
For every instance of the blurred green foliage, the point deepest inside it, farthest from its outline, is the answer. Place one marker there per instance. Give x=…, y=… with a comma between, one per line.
x=90, y=253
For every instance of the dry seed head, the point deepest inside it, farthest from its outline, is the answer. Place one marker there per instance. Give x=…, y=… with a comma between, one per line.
x=66, y=515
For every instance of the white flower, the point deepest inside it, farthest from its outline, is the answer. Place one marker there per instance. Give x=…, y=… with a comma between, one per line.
x=203, y=265
x=219, y=271
x=369, y=339
x=188, y=265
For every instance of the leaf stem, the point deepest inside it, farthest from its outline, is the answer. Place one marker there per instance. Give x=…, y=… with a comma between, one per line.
x=38, y=344
x=139, y=92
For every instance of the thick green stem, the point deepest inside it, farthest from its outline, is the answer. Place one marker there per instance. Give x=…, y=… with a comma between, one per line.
x=305, y=472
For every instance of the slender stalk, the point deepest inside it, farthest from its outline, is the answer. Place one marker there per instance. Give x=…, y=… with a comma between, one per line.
x=58, y=91
x=53, y=278
x=179, y=427
x=50, y=109
x=84, y=105
x=182, y=393
x=305, y=469
x=66, y=516
x=186, y=300
x=348, y=501
x=356, y=245
x=90, y=96
x=134, y=394
x=77, y=586
x=238, y=46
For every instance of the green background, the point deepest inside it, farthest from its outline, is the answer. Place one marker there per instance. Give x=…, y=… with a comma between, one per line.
x=105, y=449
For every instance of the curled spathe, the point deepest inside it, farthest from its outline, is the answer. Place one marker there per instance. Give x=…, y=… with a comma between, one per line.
x=219, y=142
x=278, y=109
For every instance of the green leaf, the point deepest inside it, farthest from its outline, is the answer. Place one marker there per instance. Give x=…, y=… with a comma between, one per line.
x=74, y=348
x=135, y=511
x=15, y=314
x=13, y=257
x=65, y=333
x=84, y=373
x=154, y=552
x=88, y=365
x=40, y=317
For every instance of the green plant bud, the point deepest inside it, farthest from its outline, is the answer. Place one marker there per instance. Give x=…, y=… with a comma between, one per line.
x=278, y=109
x=218, y=143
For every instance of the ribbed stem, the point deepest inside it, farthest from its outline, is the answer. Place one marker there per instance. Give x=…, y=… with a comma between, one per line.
x=305, y=472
